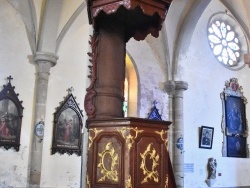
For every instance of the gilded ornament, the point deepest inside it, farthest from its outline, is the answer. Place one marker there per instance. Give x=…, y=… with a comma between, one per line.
x=129, y=183
x=166, y=182
x=129, y=138
x=165, y=140
x=87, y=182
x=108, y=172
x=150, y=174
x=91, y=139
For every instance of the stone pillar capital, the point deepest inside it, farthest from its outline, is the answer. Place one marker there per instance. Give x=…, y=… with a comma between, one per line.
x=45, y=61
x=172, y=87
x=181, y=85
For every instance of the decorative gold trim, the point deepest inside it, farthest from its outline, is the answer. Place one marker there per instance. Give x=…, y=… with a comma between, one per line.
x=87, y=182
x=91, y=139
x=129, y=138
x=165, y=140
x=108, y=172
x=166, y=182
x=153, y=174
x=129, y=182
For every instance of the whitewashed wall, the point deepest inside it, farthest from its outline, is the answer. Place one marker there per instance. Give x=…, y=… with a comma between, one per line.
x=14, y=52
x=203, y=106
x=70, y=71
x=151, y=78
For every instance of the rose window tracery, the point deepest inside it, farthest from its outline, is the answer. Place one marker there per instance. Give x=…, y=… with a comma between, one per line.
x=227, y=40
x=224, y=43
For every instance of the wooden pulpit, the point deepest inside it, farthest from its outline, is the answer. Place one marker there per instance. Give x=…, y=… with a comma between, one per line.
x=128, y=153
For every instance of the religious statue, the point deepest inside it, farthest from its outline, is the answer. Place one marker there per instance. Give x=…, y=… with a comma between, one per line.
x=211, y=167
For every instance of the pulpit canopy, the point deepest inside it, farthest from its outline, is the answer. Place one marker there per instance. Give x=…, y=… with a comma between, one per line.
x=139, y=17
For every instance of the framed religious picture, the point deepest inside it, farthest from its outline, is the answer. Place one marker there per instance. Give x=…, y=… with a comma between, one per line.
x=206, y=137
x=234, y=122
x=67, y=130
x=235, y=115
x=11, y=113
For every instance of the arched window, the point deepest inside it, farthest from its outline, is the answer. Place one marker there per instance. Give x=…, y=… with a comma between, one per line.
x=227, y=40
x=131, y=91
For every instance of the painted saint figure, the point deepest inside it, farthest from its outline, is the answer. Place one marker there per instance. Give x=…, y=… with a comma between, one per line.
x=206, y=139
x=235, y=119
x=4, y=130
x=67, y=130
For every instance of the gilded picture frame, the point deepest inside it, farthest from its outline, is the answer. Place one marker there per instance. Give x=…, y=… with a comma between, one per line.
x=234, y=123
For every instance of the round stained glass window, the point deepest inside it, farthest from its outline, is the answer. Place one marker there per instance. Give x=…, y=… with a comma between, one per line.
x=225, y=43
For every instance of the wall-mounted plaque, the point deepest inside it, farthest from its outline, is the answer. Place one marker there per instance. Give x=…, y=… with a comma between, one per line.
x=39, y=129
x=11, y=113
x=67, y=136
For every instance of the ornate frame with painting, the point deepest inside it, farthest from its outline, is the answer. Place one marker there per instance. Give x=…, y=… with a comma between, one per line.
x=206, y=137
x=234, y=124
x=67, y=133
x=11, y=113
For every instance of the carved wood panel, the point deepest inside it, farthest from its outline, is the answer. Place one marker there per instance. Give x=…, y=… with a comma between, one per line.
x=150, y=161
x=126, y=153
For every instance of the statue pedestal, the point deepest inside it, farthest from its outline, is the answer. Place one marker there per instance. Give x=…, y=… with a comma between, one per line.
x=128, y=152
x=210, y=182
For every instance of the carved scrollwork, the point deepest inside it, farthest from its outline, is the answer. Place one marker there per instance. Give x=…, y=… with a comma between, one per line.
x=91, y=139
x=108, y=172
x=91, y=93
x=222, y=124
x=165, y=140
x=129, y=138
x=87, y=182
x=166, y=182
x=149, y=154
x=129, y=182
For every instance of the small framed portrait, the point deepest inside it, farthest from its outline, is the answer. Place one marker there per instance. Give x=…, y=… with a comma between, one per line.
x=11, y=113
x=206, y=137
x=67, y=136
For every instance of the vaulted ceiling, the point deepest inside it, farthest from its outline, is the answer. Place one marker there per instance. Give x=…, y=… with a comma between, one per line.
x=47, y=22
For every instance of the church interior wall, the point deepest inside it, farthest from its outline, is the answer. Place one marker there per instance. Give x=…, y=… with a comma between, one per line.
x=71, y=71
x=202, y=103
x=203, y=107
x=15, y=62
x=151, y=78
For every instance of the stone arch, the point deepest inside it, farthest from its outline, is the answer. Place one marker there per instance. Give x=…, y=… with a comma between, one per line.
x=186, y=31
x=133, y=86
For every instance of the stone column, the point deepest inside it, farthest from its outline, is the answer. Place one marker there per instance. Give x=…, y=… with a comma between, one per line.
x=44, y=61
x=176, y=89
x=170, y=88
